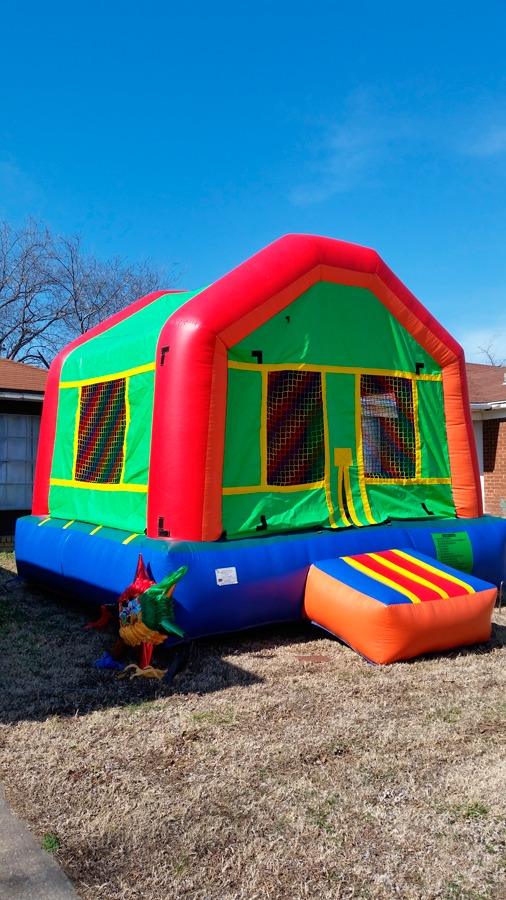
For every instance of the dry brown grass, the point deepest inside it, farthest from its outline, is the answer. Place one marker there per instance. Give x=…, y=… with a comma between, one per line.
x=259, y=774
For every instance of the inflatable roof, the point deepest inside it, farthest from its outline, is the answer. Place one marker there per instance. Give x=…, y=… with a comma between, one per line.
x=308, y=387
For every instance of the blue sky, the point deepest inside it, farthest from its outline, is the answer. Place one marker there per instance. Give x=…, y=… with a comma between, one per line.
x=196, y=133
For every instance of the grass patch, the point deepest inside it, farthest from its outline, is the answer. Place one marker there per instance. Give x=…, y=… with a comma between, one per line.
x=140, y=707
x=50, y=843
x=471, y=810
x=256, y=776
x=463, y=810
x=321, y=815
x=456, y=891
x=213, y=717
x=449, y=714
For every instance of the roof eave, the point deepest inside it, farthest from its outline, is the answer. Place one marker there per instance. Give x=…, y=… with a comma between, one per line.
x=487, y=405
x=22, y=395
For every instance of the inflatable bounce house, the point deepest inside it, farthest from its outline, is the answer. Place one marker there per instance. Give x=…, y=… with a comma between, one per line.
x=296, y=435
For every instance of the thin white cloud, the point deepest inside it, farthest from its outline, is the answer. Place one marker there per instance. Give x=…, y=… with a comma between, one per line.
x=373, y=131
x=350, y=152
x=17, y=190
x=492, y=142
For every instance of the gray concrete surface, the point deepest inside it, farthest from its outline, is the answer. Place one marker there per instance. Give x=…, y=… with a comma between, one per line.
x=26, y=871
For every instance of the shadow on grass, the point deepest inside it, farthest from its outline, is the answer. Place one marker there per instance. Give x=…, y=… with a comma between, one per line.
x=498, y=639
x=47, y=658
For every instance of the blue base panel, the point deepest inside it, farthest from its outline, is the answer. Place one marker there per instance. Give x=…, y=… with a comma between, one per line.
x=240, y=584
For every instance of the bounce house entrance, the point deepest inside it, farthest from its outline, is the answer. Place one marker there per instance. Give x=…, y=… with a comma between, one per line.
x=375, y=443
x=301, y=441
x=340, y=443
x=348, y=501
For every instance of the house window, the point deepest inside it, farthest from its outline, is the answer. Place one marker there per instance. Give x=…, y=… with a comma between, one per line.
x=19, y=435
x=101, y=432
x=388, y=429
x=295, y=434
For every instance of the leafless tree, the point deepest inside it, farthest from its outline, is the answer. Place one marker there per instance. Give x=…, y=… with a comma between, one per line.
x=27, y=307
x=51, y=291
x=490, y=354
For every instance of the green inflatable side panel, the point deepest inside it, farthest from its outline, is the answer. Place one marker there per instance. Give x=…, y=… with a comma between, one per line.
x=343, y=332
x=125, y=353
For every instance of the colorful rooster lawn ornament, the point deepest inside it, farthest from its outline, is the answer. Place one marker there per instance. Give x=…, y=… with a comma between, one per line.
x=146, y=617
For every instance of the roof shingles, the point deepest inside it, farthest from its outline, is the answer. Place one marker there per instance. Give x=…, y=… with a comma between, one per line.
x=16, y=376
x=486, y=383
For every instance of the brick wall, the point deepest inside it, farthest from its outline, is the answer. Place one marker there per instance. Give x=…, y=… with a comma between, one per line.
x=494, y=466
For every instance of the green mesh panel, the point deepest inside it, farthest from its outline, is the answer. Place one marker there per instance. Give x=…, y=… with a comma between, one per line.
x=388, y=429
x=101, y=432
x=295, y=432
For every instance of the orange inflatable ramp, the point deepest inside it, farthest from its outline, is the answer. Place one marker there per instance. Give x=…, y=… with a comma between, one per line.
x=397, y=604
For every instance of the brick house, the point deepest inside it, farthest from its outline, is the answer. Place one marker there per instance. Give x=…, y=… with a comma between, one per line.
x=487, y=395
x=21, y=395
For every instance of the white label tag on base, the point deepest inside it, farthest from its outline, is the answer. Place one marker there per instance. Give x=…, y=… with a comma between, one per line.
x=226, y=576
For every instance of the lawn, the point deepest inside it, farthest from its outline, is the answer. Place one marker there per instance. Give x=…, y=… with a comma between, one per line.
x=278, y=765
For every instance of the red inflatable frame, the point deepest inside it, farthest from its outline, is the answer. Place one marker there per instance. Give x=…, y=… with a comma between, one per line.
x=188, y=433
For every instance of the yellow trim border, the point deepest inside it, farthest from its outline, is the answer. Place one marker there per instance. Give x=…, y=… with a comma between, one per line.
x=272, y=489
x=418, y=579
x=340, y=370
x=407, y=481
x=131, y=537
x=127, y=373
x=326, y=444
x=381, y=578
x=360, y=452
x=435, y=571
x=89, y=486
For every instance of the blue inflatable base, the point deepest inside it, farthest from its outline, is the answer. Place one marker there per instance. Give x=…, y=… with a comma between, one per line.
x=237, y=584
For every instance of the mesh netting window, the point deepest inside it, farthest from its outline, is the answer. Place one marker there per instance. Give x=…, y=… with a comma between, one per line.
x=101, y=433
x=388, y=429
x=295, y=436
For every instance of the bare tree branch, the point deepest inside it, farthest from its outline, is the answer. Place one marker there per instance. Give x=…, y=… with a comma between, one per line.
x=490, y=354
x=51, y=291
